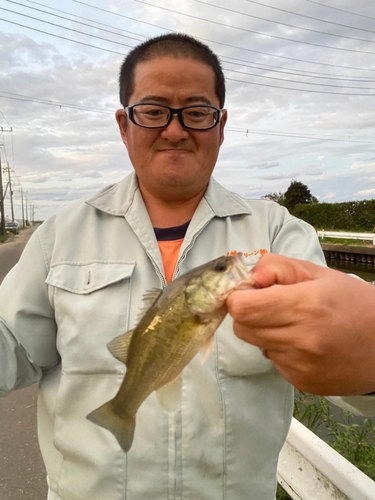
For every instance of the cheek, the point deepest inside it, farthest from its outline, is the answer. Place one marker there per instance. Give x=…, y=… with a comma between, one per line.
x=212, y=146
x=139, y=144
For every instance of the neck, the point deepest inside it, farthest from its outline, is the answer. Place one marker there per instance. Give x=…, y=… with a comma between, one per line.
x=169, y=212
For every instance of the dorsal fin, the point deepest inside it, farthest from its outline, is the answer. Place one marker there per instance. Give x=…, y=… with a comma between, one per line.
x=149, y=299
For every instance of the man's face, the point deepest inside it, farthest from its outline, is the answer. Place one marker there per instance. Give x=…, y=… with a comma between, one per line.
x=172, y=163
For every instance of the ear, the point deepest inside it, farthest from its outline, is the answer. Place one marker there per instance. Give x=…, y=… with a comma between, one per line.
x=121, y=118
x=222, y=123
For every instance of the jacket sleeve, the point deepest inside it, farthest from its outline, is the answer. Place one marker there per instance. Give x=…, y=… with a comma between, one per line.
x=27, y=321
x=298, y=239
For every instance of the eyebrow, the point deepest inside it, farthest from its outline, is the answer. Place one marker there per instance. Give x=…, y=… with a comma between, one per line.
x=164, y=100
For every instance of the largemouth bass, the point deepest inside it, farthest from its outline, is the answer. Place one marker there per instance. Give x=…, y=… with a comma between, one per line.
x=180, y=322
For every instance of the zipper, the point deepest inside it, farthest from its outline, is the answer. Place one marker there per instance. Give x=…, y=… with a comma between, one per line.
x=186, y=250
x=157, y=269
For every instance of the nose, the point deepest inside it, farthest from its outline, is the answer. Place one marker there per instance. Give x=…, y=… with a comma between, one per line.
x=175, y=132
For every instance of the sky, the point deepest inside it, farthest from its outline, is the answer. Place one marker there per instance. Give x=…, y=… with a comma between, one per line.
x=300, y=78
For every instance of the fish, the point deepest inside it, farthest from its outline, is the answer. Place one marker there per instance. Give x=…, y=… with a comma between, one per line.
x=179, y=321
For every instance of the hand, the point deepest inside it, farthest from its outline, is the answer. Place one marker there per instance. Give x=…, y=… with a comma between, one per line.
x=316, y=325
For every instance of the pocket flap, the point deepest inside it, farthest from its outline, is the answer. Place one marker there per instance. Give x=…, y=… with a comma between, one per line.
x=86, y=277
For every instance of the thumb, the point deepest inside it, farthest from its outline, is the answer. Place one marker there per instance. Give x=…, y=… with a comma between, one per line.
x=272, y=269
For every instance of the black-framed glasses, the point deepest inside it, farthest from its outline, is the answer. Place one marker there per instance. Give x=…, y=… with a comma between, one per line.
x=196, y=117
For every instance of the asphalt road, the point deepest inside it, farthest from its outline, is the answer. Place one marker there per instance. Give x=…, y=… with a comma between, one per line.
x=22, y=472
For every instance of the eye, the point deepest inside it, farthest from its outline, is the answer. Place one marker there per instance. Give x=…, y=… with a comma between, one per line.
x=220, y=267
x=197, y=114
x=153, y=112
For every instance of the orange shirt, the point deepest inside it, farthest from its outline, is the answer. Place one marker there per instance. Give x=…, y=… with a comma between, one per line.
x=169, y=253
x=170, y=240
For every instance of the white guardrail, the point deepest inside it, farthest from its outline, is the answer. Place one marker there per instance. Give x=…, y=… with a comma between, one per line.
x=309, y=469
x=343, y=234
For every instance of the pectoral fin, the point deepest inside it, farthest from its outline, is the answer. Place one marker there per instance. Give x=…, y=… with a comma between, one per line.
x=169, y=396
x=206, y=349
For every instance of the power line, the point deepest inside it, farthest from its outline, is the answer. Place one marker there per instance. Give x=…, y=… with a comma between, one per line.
x=268, y=54
x=67, y=19
x=302, y=90
x=315, y=18
x=84, y=18
x=280, y=23
x=341, y=10
x=258, y=76
x=295, y=72
x=294, y=59
x=2, y=114
x=299, y=82
x=20, y=97
x=230, y=129
x=62, y=37
x=257, y=32
x=123, y=16
x=85, y=24
x=295, y=135
x=65, y=28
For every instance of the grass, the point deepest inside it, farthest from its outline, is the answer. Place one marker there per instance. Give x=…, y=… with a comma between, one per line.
x=352, y=437
x=345, y=241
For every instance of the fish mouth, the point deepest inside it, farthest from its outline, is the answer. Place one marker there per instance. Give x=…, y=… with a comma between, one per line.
x=242, y=274
x=240, y=266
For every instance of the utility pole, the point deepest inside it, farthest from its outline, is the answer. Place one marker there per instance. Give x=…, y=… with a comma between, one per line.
x=2, y=225
x=27, y=217
x=23, y=211
x=7, y=169
x=2, y=211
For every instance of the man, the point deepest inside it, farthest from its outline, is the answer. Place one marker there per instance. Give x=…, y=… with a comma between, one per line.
x=82, y=289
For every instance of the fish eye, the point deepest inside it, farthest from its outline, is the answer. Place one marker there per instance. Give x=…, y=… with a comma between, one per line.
x=220, y=266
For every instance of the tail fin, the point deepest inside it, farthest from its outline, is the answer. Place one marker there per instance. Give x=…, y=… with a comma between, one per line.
x=122, y=427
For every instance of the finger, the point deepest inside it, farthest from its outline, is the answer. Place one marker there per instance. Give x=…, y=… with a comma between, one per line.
x=276, y=269
x=271, y=307
x=269, y=339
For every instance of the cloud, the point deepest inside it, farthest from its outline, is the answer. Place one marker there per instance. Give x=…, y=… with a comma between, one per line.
x=363, y=166
x=299, y=99
x=266, y=166
x=36, y=178
x=366, y=192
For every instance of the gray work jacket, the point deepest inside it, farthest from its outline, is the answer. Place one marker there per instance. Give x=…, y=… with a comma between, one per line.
x=79, y=284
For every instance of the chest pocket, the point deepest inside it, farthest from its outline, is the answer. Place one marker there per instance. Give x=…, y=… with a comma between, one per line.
x=92, y=302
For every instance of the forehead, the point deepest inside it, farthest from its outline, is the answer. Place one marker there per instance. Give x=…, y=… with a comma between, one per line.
x=174, y=78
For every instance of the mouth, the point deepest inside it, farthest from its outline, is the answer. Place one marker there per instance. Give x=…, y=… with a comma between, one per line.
x=174, y=151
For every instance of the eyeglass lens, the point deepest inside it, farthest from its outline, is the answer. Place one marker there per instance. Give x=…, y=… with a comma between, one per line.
x=151, y=115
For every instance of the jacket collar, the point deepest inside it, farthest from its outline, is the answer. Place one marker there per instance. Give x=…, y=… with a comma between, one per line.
x=117, y=198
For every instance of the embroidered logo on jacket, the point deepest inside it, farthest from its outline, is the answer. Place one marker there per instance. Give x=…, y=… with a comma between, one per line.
x=261, y=251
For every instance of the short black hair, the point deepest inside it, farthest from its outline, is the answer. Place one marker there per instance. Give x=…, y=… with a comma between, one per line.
x=175, y=45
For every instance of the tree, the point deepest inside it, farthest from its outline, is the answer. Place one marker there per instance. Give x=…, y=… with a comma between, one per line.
x=298, y=193
x=278, y=197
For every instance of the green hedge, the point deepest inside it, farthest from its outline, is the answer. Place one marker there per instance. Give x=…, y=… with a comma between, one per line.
x=347, y=216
